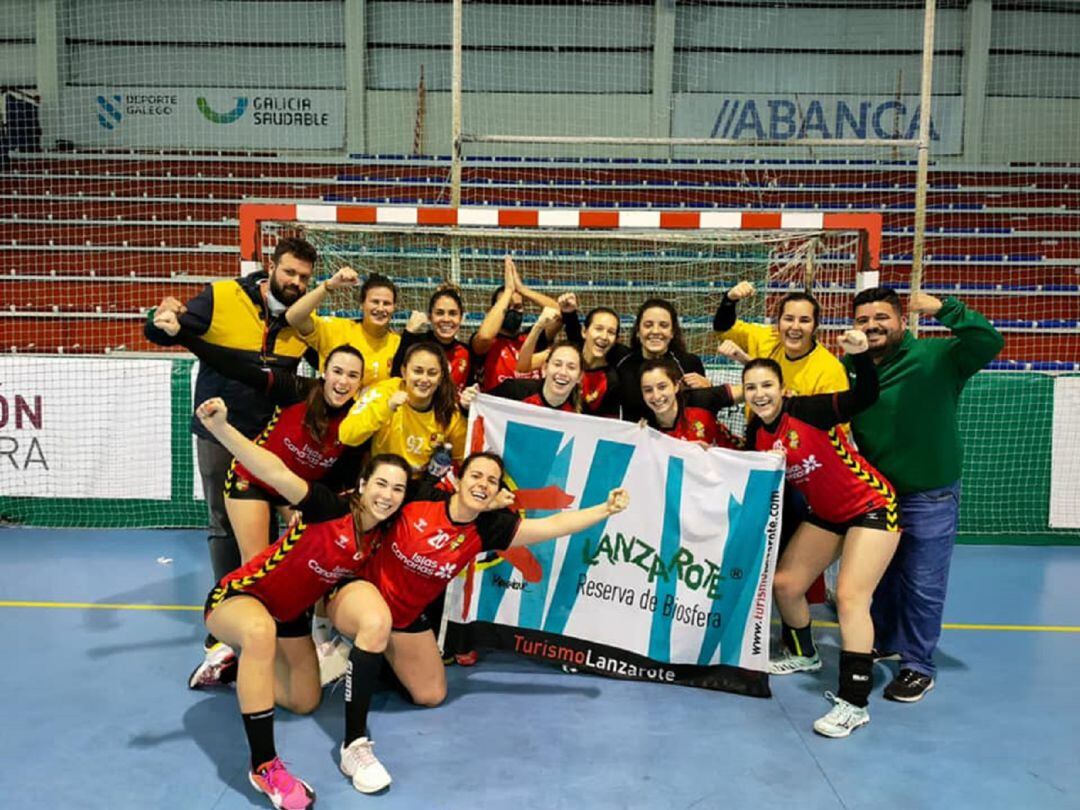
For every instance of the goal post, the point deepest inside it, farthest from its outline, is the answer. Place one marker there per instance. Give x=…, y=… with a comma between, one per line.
x=609, y=257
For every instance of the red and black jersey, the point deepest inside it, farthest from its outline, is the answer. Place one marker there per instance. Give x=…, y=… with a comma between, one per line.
x=307, y=561
x=500, y=363
x=697, y=420
x=600, y=391
x=288, y=438
x=838, y=483
x=424, y=549
x=699, y=425
x=460, y=358
x=531, y=392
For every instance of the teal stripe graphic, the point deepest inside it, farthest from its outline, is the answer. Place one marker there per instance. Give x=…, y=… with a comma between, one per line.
x=532, y=457
x=670, y=541
x=609, y=462
x=744, y=555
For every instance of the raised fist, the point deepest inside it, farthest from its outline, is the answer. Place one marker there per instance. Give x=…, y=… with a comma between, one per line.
x=170, y=304
x=212, y=413
x=732, y=351
x=695, y=380
x=547, y=317
x=922, y=303
x=418, y=322
x=617, y=501
x=345, y=277
x=167, y=322
x=567, y=302
x=744, y=289
x=853, y=342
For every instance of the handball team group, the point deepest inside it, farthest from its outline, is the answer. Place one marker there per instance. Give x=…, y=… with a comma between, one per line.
x=366, y=467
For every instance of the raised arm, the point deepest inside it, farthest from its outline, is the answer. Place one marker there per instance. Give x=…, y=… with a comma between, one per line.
x=976, y=342
x=263, y=464
x=280, y=386
x=538, y=298
x=826, y=410
x=528, y=358
x=492, y=323
x=372, y=412
x=299, y=314
x=193, y=317
x=536, y=530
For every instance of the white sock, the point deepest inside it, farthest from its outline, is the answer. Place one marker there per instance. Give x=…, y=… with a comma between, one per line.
x=321, y=629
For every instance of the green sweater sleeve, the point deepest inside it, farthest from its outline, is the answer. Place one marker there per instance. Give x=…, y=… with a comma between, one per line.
x=975, y=342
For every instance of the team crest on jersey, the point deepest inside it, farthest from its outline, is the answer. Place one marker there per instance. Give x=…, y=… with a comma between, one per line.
x=242, y=485
x=699, y=429
x=793, y=440
x=456, y=543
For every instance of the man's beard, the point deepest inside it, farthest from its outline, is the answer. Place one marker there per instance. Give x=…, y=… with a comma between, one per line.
x=891, y=340
x=288, y=294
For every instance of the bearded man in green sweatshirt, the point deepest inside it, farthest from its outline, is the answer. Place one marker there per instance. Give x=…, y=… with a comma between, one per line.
x=910, y=435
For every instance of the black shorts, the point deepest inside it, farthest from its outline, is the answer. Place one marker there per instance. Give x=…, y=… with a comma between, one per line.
x=884, y=518
x=241, y=489
x=420, y=625
x=293, y=628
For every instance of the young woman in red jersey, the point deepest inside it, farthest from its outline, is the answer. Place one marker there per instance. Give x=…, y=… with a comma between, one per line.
x=600, y=352
x=444, y=315
x=559, y=386
x=263, y=608
x=437, y=533
x=853, y=515
x=302, y=432
x=686, y=414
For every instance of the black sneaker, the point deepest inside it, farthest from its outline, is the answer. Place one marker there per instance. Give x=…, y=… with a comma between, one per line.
x=909, y=686
x=884, y=655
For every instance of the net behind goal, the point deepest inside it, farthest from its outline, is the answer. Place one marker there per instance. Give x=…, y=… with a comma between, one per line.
x=615, y=259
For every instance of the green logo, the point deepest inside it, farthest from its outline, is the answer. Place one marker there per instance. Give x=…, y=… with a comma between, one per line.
x=221, y=118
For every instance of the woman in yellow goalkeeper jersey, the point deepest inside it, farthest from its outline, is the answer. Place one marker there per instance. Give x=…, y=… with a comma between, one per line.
x=808, y=367
x=414, y=415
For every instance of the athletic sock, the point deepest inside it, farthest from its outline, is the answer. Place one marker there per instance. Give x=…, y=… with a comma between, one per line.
x=361, y=676
x=798, y=640
x=259, y=727
x=856, y=677
x=321, y=628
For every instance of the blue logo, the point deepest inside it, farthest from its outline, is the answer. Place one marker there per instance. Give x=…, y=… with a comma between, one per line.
x=215, y=117
x=109, y=115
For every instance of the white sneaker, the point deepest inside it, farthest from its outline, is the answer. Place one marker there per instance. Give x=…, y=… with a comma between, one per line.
x=218, y=668
x=333, y=659
x=788, y=663
x=842, y=719
x=359, y=763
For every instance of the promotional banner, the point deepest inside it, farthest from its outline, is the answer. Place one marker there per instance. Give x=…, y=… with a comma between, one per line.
x=85, y=428
x=675, y=589
x=209, y=117
x=806, y=115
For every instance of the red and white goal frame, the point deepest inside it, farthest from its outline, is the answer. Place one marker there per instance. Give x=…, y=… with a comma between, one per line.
x=868, y=225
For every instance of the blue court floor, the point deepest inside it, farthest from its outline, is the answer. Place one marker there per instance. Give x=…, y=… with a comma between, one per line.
x=101, y=628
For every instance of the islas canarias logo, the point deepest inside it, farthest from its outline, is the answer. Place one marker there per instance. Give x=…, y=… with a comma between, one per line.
x=214, y=117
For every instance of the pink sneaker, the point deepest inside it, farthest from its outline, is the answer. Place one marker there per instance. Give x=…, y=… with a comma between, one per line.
x=284, y=790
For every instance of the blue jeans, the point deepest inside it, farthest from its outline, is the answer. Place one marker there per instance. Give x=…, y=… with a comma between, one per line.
x=910, y=599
